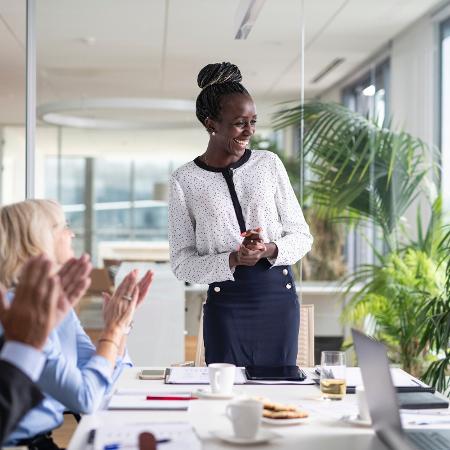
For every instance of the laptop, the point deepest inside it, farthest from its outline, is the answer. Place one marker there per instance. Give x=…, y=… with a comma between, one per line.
x=382, y=401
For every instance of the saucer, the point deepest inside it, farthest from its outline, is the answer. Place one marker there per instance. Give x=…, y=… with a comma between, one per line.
x=261, y=437
x=356, y=420
x=203, y=393
x=283, y=422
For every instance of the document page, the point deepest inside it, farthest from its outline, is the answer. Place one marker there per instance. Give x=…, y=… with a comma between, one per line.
x=399, y=377
x=198, y=375
x=174, y=436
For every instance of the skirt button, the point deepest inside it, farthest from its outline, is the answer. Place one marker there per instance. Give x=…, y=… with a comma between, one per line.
x=217, y=289
x=285, y=272
x=288, y=286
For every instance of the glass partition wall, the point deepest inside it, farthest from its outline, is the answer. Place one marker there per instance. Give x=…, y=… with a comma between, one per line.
x=349, y=106
x=12, y=101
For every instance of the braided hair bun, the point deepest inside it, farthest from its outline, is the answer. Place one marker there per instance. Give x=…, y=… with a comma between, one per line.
x=218, y=73
x=217, y=81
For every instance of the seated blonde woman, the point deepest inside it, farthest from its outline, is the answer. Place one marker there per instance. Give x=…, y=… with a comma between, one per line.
x=77, y=373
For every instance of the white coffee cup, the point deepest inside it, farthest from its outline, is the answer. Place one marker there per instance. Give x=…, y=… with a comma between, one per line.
x=221, y=378
x=245, y=415
x=361, y=400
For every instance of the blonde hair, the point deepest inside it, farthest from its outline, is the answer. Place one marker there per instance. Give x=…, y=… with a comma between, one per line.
x=26, y=229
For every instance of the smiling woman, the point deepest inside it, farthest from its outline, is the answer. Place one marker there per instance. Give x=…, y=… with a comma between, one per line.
x=235, y=224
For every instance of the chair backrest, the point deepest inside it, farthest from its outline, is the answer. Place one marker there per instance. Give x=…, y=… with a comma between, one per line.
x=305, y=356
x=200, y=352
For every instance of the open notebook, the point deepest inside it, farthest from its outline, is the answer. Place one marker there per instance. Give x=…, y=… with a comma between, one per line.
x=176, y=435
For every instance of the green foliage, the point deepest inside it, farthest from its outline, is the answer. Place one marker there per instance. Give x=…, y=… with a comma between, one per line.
x=436, y=317
x=366, y=173
x=392, y=296
x=361, y=172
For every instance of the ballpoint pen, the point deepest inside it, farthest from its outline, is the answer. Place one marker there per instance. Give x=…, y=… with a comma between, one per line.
x=91, y=439
x=429, y=422
x=157, y=397
x=117, y=446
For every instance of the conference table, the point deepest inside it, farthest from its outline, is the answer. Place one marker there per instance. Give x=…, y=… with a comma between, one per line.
x=324, y=429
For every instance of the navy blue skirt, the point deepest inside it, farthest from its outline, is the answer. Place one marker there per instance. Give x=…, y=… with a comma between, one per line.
x=254, y=320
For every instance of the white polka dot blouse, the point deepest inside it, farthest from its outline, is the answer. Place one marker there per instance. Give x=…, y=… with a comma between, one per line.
x=204, y=223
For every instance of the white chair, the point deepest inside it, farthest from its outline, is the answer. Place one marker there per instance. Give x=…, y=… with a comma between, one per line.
x=305, y=356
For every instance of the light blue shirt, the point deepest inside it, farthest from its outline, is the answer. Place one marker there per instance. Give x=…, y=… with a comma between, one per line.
x=26, y=358
x=74, y=378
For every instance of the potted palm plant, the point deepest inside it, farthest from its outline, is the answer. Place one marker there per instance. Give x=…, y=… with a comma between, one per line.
x=361, y=172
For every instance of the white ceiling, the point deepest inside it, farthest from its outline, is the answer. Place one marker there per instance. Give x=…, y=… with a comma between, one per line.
x=155, y=48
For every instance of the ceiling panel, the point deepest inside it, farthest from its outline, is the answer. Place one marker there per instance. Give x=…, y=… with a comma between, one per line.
x=116, y=48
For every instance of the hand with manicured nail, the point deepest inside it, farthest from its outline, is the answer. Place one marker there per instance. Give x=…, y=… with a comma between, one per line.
x=75, y=280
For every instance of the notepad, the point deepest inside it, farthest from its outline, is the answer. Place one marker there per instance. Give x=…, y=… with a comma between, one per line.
x=197, y=375
x=402, y=381
x=181, y=435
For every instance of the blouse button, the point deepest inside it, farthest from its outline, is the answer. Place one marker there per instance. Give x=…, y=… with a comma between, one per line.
x=288, y=286
x=285, y=272
x=217, y=289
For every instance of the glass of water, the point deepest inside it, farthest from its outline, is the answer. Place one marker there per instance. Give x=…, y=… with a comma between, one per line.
x=332, y=375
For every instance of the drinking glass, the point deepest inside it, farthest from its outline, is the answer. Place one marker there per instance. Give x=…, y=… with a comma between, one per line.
x=332, y=375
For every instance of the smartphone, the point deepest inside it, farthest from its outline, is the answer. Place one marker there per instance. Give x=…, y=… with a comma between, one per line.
x=152, y=374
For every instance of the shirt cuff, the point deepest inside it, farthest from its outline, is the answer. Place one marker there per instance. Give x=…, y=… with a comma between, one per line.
x=124, y=360
x=102, y=366
x=26, y=358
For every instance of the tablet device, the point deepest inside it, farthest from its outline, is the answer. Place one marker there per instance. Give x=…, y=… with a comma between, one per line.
x=275, y=373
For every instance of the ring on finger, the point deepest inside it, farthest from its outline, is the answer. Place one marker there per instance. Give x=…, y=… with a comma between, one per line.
x=128, y=298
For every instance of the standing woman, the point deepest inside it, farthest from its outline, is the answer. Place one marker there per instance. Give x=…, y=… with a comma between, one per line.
x=251, y=316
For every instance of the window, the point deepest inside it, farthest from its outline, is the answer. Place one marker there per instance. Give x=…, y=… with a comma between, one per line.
x=129, y=198
x=445, y=111
x=368, y=96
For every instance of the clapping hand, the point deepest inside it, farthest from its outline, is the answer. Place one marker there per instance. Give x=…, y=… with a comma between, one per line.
x=143, y=285
x=34, y=311
x=75, y=280
x=118, y=309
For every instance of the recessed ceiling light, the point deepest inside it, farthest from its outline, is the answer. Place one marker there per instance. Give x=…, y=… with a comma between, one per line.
x=88, y=40
x=64, y=113
x=246, y=16
x=369, y=91
x=333, y=64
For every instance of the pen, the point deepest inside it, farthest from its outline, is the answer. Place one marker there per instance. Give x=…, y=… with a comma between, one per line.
x=117, y=446
x=156, y=397
x=429, y=422
x=91, y=438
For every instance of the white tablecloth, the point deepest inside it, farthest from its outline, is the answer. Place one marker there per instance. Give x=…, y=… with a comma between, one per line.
x=323, y=430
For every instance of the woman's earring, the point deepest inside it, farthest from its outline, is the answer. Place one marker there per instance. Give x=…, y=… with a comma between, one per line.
x=213, y=133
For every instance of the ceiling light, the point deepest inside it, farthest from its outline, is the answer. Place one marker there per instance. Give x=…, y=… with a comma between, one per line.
x=88, y=40
x=333, y=64
x=65, y=113
x=369, y=91
x=246, y=16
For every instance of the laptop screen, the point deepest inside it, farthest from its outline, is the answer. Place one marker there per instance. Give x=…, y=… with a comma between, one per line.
x=380, y=392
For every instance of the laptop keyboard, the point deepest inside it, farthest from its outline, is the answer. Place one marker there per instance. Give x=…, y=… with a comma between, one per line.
x=429, y=440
